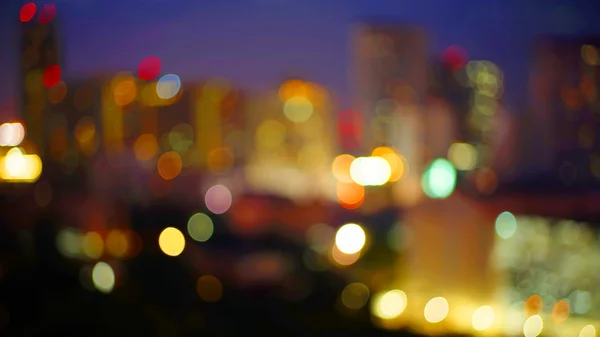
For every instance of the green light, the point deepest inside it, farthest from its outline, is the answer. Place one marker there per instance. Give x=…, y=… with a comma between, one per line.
x=439, y=179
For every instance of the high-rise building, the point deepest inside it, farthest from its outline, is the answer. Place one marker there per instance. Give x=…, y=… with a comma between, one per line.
x=39, y=51
x=391, y=79
x=561, y=123
x=72, y=121
x=293, y=144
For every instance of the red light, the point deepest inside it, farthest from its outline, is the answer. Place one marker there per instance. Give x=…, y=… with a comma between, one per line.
x=27, y=12
x=149, y=68
x=350, y=122
x=51, y=76
x=47, y=13
x=455, y=57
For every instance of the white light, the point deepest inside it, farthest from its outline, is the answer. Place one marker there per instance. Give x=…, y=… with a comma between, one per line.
x=370, y=171
x=506, y=225
x=389, y=305
x=103, y=277
x=350, y=238
x=588, y=331
x=168, y=86
x=533, y=326
x=14, y=162
x=436, y=310
x=483, y=318
x=11, y=134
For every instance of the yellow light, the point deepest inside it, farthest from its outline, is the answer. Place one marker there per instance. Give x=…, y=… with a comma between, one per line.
x=436, y=310
x=463, y=156
x=298, y=109
x=355, y=296
x=370, y=171
x=588, y=331
x=171, y=241
x=533, y=326
x=93, y=245
x=17, y=166
x=270, y=134
x=483, y=318
x=389, y=305
x=103, y=277
x=350, y=238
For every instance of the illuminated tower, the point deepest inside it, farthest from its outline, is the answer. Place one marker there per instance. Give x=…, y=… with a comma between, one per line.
x=39, y=50
x=561, y=122
x=219, y=126
x=391, y=77
x=293, y=144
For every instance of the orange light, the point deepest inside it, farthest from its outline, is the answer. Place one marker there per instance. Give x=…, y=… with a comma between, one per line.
x=125, y=92
x=533, y=305
x=169, y=165
x=341, y=168
x=350, y=194
x=395, y=160
x=145, y=147
x=293, y=88
x=220, y=160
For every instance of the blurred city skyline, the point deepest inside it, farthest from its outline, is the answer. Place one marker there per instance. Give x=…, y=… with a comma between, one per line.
x=254, y=44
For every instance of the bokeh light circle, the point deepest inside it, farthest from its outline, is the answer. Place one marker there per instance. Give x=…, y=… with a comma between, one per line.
x=169, y=165
x=389, y=305
x=218, y=199
x=47, y=13
x=149, y=68
x=168, y=86
x=27, y=12
x=436, y=310
x=355, y=295
x=200, y=227
x=51, y=76
x=298, y=109
x=103, y=277
x=350, y=238
x=439, y=179
x=506, y=225
x=171, y=241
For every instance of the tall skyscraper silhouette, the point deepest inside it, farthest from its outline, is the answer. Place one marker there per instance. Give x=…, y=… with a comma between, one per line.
x=39, y=50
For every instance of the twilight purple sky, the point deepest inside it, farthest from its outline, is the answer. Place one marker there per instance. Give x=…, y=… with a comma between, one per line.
x=254, y=43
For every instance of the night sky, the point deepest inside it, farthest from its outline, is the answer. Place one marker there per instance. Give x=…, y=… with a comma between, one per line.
x=255, y=43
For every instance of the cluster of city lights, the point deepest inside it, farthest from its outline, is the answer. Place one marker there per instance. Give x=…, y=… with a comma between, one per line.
x=15, y=164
